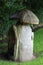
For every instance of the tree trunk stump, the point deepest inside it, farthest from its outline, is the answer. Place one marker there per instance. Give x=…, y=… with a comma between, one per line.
x=23, y=49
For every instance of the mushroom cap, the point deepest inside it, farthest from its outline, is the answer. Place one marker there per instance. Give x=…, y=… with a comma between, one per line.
x=26, y=16
x=29, y=17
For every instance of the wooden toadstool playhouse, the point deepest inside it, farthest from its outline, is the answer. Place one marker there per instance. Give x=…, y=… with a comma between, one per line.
x=23, y=48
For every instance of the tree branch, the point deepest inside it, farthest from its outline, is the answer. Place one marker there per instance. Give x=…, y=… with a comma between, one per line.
x=35, y=28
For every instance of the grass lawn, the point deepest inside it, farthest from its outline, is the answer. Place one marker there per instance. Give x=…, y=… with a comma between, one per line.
x=38, y=49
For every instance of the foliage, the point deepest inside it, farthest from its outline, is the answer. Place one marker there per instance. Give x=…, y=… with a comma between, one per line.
x=8, y=7
x=40, y=14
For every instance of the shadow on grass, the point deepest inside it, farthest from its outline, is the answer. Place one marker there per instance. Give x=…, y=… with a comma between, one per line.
x=7, y=57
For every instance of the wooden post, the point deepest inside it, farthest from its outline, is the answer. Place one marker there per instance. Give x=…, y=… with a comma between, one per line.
x=24, y=46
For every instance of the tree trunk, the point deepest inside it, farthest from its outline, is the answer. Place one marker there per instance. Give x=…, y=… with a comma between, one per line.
x=24, y=46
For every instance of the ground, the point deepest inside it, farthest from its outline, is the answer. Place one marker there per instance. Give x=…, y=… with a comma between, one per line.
x=38, y=51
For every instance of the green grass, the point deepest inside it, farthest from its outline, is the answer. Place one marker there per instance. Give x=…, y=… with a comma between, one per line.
x=38, y=49
x=38, y=41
